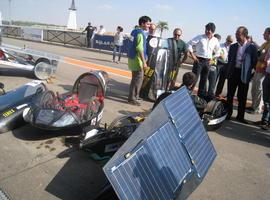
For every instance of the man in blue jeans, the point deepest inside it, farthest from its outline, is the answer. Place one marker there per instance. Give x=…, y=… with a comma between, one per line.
x=205, y=46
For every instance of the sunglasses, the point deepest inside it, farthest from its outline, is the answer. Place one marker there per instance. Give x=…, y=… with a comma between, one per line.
x=177, y=35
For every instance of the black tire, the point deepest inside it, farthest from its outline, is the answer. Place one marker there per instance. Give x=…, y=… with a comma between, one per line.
x=215, y=108
x=43, y=69
x=121, y=121
x=45, y=99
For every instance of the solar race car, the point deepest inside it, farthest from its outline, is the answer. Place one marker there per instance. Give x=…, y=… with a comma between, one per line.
x=42, y=64
x=81, y=107
x=13, y=103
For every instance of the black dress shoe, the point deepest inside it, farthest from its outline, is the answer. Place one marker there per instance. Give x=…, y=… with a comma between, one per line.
x=259, y=123
x=265, y=127
x=133, y=102
x=241, y=120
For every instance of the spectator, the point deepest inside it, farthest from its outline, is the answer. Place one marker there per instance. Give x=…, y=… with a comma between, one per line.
x=205, y=46
x=189, y=80
x=242, y=59
x=101, y=30
x=89, y=33
x=212, y=76
x=150, y=47
x=222, y=65
x=179, y=53
x=256, y=90
x=137, y=58
x=118, y=43
x=266, y=94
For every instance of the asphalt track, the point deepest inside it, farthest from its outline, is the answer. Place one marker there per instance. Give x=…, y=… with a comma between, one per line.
x=35, y=164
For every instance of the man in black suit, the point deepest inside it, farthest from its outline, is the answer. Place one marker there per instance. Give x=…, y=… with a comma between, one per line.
x=242, y=60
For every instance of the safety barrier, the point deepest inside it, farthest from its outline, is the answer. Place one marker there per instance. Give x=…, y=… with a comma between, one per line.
x=101, y=42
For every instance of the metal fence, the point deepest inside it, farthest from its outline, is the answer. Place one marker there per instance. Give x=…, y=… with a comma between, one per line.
x=101, y=42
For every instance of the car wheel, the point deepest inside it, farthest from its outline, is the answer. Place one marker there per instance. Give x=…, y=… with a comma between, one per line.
x=43, y=69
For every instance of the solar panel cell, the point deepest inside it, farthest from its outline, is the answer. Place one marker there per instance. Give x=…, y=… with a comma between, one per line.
x=165, y=154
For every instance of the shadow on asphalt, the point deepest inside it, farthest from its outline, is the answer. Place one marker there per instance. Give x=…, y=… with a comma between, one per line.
x=79, y=178
x=31, y=133
x=245, y=132
x=142, y=113
x=117, y=91
x=66, y=87
x=17, y=73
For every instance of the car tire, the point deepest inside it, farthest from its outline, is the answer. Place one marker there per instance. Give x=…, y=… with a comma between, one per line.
x=43, y=69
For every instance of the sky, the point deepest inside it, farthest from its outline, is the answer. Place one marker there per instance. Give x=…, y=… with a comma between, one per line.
x=189, y=15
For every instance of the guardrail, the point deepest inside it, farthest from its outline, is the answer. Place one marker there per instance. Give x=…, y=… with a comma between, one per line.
x=101, y=42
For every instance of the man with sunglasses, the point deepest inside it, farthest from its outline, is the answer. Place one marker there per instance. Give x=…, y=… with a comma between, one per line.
x=202, y=48
x=179, y=53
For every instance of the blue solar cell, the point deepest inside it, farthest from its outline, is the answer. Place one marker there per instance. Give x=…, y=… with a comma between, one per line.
x=158, y=167
x=164, y=153
x=192, y=131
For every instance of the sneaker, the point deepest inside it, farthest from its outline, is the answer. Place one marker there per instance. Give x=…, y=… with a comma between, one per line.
x=265, y=127
x=117, y=62
x=259, y=123
x=134, y=102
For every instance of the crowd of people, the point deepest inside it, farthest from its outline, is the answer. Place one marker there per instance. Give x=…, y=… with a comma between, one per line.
x=240, y=63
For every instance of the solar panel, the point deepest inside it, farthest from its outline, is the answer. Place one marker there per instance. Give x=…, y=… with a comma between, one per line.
x=167, y=151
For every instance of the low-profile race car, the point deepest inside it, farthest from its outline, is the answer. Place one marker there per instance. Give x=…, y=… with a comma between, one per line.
x=12, y=104
x=82, y=107
x=213, y=115
x=42, y=64
x=106, y=141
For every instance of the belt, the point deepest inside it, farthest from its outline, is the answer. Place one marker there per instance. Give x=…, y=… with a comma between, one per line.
x=201, y=58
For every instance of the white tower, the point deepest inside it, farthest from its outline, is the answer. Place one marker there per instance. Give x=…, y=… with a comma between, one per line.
x=72, y=21
x=0, y=18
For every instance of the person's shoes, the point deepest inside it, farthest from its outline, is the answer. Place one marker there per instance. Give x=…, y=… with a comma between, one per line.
x=265, y=127
x=117, y=62
x=134, y=102
x=259, y=123
x=139, y=99
x=241, y=120
x=250, y=110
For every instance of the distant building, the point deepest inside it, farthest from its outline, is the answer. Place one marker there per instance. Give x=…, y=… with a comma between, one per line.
x=72, y=21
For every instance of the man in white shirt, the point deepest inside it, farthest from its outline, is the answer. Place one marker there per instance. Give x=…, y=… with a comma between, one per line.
x=101, y=30
x=202, y=49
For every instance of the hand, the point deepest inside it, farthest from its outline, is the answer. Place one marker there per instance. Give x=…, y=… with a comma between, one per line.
x=145, y=65
x=195, y=59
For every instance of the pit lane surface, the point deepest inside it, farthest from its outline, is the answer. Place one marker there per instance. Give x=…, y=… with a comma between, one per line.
x=35, y=164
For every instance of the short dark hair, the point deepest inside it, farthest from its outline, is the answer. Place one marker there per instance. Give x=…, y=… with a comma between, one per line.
x=268, y=29
x=120, y=28
x=189, y=79
x=210, y=26
x=144, y=19
x=244, y=30
x=217, y=36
